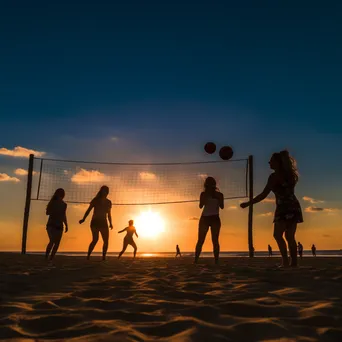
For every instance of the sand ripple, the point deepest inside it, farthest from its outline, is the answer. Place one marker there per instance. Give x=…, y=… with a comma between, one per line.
x=169, y=300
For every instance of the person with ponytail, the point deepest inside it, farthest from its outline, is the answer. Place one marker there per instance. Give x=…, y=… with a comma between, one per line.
x=211, y=200
x=56, y=209
x=288, y=211
x=102, y=210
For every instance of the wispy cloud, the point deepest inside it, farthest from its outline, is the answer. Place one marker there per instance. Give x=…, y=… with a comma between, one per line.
x=232, y=207
x=114, y=139
x=22, y=172
x=80, y=206
x=20, y=152
x=147, y=175
x=269, y=200
x=326, y=236
x=311, y=200
x=266, y=214
x=320, y=210
x=202, y=176
x=194, y=218
x=88, y=176
x=6, y=178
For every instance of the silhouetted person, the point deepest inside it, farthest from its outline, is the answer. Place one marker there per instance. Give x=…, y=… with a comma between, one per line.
x=288, y=211
x=102, y=210
x=128, y=239
x=313, y=250
x=211, y=200
x=56, y=209
x=300, y=250
x=178, y=251
x=269, y=251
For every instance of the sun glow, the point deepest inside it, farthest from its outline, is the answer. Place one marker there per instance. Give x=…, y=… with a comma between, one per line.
x=149, y=224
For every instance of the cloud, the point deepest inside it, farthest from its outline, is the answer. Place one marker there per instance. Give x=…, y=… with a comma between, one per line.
x=266, y=214
x=193, y=218
x=20, y=152
x=6, y=178
x=311, y=200
x=80, y=206
x=326, y=236
x=320, y=210
x=147, y=175
x=233, y=207
x=22, y=172
x=269, y=200
x=114, y=139
x=88, y=176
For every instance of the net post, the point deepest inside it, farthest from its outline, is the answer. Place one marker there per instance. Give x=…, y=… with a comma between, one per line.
x=250, y=208
x=27, y=203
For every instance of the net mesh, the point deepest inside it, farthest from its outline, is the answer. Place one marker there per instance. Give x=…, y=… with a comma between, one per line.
x=139, y=184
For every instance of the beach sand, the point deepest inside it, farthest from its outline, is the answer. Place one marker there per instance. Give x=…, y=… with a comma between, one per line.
x=169, y=300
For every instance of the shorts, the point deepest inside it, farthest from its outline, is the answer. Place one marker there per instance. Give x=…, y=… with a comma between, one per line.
x=99, y=224
x=55, y=234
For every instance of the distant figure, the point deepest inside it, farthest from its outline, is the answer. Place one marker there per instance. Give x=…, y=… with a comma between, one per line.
x=56, y=209
x=128, y=239
x=212, y=200
x=178, y=251
x=269, y=251
x=313, y=250
x=300, y=250
x=102, y=210
x=288, y=210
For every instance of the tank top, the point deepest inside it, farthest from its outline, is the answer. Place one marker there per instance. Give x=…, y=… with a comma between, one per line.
x=211, y=207
x=56, y=211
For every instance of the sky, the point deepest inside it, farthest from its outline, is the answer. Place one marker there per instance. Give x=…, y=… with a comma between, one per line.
x=154, y=81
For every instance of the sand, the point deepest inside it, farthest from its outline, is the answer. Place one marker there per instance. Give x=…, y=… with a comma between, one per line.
x=169, y=300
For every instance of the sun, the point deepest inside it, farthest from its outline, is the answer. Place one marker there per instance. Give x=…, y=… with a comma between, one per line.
x=149, y=224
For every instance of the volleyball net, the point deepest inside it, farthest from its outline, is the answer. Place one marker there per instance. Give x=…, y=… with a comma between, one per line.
x=137, y=184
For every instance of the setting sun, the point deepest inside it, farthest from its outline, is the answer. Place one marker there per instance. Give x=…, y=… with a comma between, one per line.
x=149, y=224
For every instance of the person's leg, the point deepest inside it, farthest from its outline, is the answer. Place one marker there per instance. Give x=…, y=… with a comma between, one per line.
x=105, y=237
x=95, y=233
x=279, y=229
x=57, y=239
x=291, y=241
x=202, y=233
x=215, y=233
x=125, y=244
x=133, y=244
x=50, y=244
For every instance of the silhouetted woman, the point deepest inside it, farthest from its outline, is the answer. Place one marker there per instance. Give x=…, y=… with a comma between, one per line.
x=211, y=200
x=288, y=211
x=128, y=239
x=99, y=224
x=56, y=209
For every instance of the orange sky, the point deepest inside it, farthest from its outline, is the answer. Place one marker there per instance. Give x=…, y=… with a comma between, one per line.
x=322, y=221
x=181, y=221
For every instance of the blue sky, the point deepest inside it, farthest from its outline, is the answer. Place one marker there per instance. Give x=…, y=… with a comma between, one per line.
x=164, y=77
